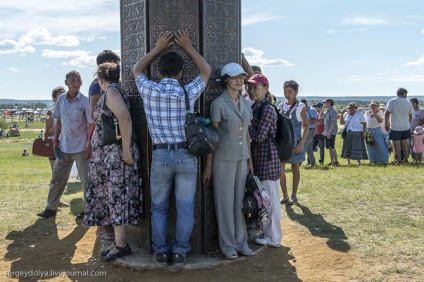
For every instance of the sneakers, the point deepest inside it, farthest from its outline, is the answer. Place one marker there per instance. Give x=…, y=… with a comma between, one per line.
x=178, y=260
x=261, y=239
x=161, y=260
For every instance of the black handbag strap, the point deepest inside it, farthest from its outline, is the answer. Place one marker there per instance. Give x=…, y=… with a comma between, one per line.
x=349, y=121
x=186, y=98
x=287, y=113
x=187, y=104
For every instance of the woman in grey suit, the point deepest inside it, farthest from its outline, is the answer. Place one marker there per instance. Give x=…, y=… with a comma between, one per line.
x=231, y=162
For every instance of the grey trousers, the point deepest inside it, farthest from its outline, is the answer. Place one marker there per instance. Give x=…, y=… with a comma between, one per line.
x=308, y=146
x=229, y=182
x=61, y=170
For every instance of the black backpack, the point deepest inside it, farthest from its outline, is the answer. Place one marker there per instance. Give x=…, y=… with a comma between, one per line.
x=284, y=137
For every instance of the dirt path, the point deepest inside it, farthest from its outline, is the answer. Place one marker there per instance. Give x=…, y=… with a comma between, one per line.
x=303, y=257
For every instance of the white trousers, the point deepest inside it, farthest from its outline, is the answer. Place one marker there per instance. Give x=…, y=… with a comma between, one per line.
x=272, y=227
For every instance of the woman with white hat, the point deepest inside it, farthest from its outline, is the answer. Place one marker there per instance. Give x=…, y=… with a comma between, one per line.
x=378, y=151
x=230, y=163
x=354, y=143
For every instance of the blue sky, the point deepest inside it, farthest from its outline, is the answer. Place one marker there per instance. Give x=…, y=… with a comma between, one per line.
x=330, y=47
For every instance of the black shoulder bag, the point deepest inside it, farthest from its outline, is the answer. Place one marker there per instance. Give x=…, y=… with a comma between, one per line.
x=202, y=137
x=111, y=132
x=344, y=132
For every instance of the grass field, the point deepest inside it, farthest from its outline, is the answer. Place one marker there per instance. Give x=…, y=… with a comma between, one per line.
x=374, y=211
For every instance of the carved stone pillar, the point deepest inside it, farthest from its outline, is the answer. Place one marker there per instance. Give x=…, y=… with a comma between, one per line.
x=215, y=28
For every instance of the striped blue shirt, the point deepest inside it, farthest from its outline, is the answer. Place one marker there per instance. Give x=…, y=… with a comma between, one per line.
x=164, y=106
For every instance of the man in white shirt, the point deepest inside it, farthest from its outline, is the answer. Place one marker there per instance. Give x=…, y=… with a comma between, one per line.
x=398, y=119
x=71, y=142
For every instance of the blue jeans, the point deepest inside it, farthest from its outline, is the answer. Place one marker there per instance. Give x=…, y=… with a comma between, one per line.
x=178, y=167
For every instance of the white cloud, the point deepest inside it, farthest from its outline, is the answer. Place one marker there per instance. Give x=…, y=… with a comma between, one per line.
x=48, y=53
x=82, y=61
x=420, y=61
x=422, y=31
x=9, y=46
x=256, y=57
x=409, y=78
x=41, y=36
x=12, y=69
x=80, y=58
x=330, y=31
x=251, y=20
x=365, y=21
x=94, y=16
x=38, y=36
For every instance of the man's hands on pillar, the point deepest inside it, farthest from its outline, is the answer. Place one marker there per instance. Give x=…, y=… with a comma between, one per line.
x=182, y=38
x=164, y=41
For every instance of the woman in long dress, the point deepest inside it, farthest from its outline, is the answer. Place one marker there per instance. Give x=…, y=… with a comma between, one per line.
x=378, y=152
x=354, y=144
x=113, y=194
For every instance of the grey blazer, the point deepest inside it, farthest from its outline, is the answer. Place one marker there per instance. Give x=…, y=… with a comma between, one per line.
x=233, y=127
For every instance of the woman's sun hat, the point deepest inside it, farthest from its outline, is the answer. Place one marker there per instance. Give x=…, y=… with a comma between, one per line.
x=419, y=130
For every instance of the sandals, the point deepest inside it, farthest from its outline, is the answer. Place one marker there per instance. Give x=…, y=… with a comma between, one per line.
x=286, y=201
x=122, y=252
x=105, y=251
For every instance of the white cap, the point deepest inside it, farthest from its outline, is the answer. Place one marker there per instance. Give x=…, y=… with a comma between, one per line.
x=232, y=69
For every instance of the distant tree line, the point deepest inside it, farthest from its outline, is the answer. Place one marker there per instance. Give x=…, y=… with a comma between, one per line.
x=19, y=106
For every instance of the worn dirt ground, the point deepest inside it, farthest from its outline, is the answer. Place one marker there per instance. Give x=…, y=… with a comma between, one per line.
x=302, y=257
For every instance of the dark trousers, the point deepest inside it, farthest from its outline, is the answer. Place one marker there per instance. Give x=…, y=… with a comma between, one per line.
x=318, y=141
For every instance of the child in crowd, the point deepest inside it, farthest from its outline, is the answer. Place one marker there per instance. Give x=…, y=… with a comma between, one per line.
x=418, y=148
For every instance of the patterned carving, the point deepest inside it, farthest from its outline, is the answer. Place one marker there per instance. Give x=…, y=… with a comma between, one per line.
x=174, y=15
x=133, y=46
x=221, y=38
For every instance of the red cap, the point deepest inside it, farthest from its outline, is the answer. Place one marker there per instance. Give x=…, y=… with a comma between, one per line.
x=258, y=79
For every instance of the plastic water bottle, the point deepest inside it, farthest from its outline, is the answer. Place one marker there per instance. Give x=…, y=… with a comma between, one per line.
x=203, y=121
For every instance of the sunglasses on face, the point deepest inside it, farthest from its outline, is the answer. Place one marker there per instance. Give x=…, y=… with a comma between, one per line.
x=257, y=87
x=240, y=77
x=290, y=83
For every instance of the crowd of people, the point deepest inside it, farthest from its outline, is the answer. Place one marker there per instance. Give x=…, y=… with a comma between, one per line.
x=247, y=125
x=371, y=134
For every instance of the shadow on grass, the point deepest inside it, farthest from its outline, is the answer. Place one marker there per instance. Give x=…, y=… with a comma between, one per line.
x=319, y=227
x=38, y=253
x=72, y=188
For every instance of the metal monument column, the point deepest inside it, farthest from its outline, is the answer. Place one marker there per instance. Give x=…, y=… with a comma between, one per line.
x=215, y=28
